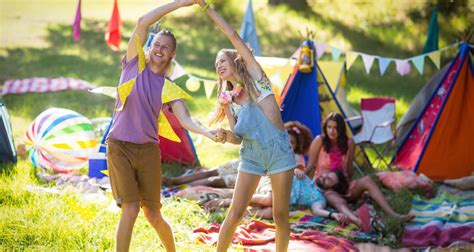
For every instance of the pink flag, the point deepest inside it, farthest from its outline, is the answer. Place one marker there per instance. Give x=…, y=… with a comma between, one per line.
x=113, y=31
x=76, y=26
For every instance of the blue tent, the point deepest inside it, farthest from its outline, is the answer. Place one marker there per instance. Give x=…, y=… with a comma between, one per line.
x=300, y=102
x=308, y=98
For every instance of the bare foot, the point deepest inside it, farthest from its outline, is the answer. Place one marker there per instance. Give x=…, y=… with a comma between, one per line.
x=167, y=181
x=215, y=204
x=407, y=217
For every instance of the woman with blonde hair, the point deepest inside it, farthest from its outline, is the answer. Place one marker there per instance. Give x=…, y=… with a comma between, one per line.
x=258, y=127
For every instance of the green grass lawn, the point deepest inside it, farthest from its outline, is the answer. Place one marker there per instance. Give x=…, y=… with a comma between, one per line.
x=37, y=41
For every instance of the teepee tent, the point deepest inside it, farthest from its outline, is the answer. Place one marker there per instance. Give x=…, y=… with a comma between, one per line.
x=417, y=105
x=280, y=69
x=308, y=98
x=438, y=144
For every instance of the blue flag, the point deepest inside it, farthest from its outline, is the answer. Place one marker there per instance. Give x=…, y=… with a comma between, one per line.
x=248, y=33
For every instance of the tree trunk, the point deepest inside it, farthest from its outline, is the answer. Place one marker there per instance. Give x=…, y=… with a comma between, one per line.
x=292, y=4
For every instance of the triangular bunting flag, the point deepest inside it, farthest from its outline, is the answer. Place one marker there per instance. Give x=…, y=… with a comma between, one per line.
x=403, y=67
x=383, y=64
x=368, y=61
x=320, y=49
x=335, y=53
x=76, y=26
x=296, y=54
x=209, y=87
x=113, y=31
x=178, y=71
x=435, y=57
x=350, y=58
x=419, y=63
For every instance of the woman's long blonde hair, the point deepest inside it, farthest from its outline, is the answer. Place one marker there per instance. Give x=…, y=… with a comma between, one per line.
x=239, y=67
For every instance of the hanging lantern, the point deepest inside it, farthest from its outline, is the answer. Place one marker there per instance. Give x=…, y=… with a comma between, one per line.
x=306, y=58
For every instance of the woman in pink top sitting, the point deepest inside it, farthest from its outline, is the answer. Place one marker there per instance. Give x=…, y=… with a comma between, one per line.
x=330, y=151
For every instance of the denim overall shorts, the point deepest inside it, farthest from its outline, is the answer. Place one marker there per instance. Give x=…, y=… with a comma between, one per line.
x=265, y=149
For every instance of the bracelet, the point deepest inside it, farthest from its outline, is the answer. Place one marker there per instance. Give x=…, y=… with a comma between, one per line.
x=204, y=8
x=330, y=215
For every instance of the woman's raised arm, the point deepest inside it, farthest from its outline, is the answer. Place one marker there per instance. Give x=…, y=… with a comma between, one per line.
x=252, y=65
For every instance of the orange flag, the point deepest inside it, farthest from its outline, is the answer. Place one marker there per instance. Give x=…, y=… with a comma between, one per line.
x=113, y=31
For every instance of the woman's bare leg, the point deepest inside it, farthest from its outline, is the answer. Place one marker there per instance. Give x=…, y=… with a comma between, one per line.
x=184, y=179
x=281, y=189
x=214, y=181
x=245, y=186
x=335, y=200
x=367, y=184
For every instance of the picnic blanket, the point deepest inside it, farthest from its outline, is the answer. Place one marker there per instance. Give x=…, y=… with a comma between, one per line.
x=441, y=221
x=303, y=221
x=260, y=236
x=44, y=85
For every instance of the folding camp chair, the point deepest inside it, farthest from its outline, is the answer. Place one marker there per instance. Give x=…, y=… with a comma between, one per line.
x=378, y=123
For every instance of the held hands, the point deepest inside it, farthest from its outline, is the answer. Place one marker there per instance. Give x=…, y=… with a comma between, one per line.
x=218, y=136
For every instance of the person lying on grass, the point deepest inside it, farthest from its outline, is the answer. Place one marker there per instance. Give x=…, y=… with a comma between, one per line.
x=225, y=175
x=304, y=192
x=336, y=183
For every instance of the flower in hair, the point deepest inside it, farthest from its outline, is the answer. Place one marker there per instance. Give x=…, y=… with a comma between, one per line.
x=296, y=130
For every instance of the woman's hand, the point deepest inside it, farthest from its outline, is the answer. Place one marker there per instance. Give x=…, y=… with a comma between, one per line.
x=299, y=173
x=341, y=218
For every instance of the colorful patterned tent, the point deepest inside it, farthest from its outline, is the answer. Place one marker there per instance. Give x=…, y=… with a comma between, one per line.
x=438, y=144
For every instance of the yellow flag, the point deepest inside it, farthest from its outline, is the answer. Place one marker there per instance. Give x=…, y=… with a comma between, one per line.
x=435, y=57
x=350, y=58
x=209, y=88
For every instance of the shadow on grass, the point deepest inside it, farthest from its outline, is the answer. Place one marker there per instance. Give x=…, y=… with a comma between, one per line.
x=7, y=168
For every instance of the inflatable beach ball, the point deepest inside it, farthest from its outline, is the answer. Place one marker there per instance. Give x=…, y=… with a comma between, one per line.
x=60, y=140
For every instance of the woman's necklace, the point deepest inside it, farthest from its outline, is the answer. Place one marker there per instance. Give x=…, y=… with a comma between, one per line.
x=226, y=97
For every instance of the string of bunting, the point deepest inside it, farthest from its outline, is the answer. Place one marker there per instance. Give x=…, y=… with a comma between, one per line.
x=402, y=64
x=193, y=83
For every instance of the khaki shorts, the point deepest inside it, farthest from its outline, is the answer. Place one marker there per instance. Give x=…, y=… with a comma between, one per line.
x=135, y=172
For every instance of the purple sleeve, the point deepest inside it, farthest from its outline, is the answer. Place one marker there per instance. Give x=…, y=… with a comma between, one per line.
x=128, y=65
x=129, y=69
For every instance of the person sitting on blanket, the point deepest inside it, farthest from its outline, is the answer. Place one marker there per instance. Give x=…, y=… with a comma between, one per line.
x=304, y=192
x=225, y=175
x=335, y=182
